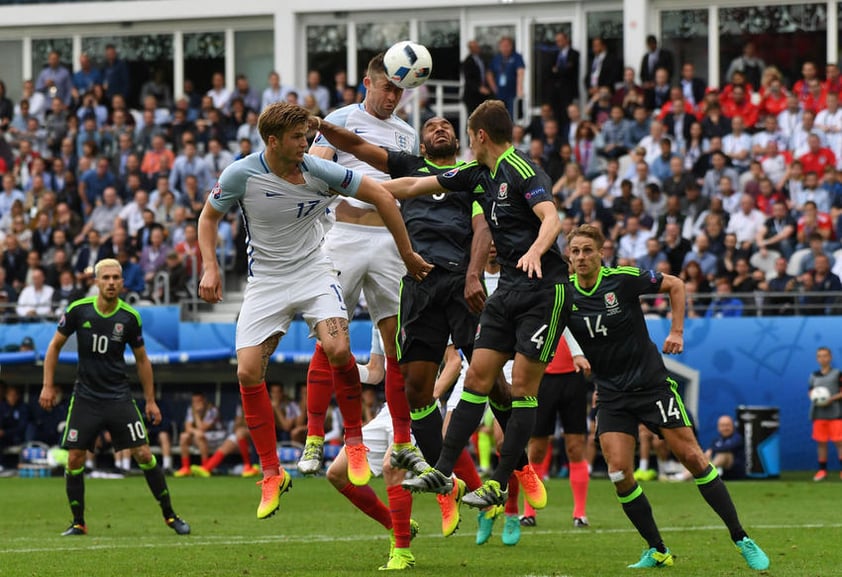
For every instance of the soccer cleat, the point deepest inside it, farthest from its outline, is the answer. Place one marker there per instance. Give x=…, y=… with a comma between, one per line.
x=645, y=475
x=399, y=560
x=754, y=555
x=183, y=472
x=359, y=472
x=414, y=529
x=533, y=489
x=408, y=458
x=485, y=524
x=310, y=462
x=75, y=529
x=820, y=475
x=178, y=525
x=511, y=531
x=528, y=521
x=487, y=495
x=200, y=471
x=581, y=522
x=271, y=490
x=430, y=481
x=449, y=505
x=250, y=471
x=653, y=558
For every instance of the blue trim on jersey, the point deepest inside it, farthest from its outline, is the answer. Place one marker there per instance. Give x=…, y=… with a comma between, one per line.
x=263, y=162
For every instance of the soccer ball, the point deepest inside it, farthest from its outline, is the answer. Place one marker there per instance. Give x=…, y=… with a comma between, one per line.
x=408, y=64
x=820, y=396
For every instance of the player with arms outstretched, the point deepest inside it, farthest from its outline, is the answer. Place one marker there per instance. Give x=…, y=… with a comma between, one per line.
x=633, y=387
x=102, y=399
x=283, y=194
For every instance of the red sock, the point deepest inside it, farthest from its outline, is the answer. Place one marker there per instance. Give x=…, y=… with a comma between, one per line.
x=185, y=461
x=215, y=460
x=400, y=506
x=514, y=492
x=366, y=500
x=546, y=464
x=243, y=443
x=346, y=381
x=396, y=399
x=467, y=471
x=319, y=392
x=260, y=418
x=579, y=479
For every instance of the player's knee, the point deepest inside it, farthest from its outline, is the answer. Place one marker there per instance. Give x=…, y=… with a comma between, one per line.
x=142, y=454
x=249, y=376
x=337, y=475
x=574, y=445
x=338, y=353
x=623, y=480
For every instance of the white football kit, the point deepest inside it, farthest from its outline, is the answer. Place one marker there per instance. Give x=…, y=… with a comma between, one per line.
x=366, y=256
x=287, y=271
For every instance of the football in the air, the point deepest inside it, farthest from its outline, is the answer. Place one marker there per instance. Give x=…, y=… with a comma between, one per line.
x=408, y=64
x=820, y=396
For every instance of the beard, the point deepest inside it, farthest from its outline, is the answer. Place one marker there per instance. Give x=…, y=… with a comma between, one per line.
x=440, y=151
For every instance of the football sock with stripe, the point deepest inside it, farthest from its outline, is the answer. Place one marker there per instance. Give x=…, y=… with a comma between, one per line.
x=260, y=418
x=366, y=500
x=397, y=402
x=637, y=508
x=158, y=485
x=319, y=392
x=517, y=433
x=464, y=421
x=74, y=483
x=716, y=494
x=426, y=426
x=346, y=381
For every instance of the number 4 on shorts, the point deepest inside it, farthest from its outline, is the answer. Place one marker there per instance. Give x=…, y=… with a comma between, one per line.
x=538, y=338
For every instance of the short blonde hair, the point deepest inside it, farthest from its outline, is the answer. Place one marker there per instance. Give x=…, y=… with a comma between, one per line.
x=107, y=263
x=279, y=117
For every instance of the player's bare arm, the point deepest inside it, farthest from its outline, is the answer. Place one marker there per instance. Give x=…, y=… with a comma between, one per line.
x=147, y=383
x=410, y=187
x=480, y=245
x=210, y=287
x=674, y=343
x=47, y=399
x=345, y=140
x=376, y=194
x=530, y=262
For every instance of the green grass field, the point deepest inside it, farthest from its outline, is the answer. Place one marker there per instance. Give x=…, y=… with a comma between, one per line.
x=318, y=533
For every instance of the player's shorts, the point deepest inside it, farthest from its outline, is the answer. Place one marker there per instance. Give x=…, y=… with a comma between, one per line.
x=827, y=430
x=270, y=303
x=216, y=438
x=657, y=408
x=526, y=322
x=87, y=418
x=368, y=262
x=565, y=395
x=430, y=312
x=378, y=435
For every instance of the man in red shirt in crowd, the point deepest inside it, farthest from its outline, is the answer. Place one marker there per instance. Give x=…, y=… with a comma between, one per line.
x=739, y=105
x=818, y=156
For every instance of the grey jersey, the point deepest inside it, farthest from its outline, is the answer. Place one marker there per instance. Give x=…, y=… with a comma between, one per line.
x=832, y=380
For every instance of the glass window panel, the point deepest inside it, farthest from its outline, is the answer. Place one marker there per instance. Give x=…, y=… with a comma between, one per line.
x=685, y=34
x=544, y=51
x=441, y=38
x=204, y=54
x=255, y=56
x=785, y=36
x=11, y=68
x=41, y=48
x=327, y=52
x=489, y=36
x=374, y=38
x=609, y=26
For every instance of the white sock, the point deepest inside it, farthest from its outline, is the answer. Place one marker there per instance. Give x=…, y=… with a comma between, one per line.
x=168, y=462
x=89, y=463
x=127, y=463
x=644, y=464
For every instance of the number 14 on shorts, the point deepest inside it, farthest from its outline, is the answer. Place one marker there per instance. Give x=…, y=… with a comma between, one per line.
x=671, y=411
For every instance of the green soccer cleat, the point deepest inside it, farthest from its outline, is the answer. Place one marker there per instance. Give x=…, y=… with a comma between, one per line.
x=399, y=560
x=178, y=525
x=645, y=475
x=653, y=558
x=511, y=530
x=485, y=524
x=489, y=494
x=754, y=555
x=199, y=471
x=310, y=462
x=75, y=529
x=430, y=481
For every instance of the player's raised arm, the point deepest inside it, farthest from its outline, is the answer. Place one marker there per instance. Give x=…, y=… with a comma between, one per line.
x=47, y=399
x=674, y=343
x=480, y=244
x=410, y=187
x=345, y=140
x=375, y=193
x=530, y=262
x=210, y=287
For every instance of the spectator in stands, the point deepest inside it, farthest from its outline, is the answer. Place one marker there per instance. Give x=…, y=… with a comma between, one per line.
x=175, y=227
x=817, y=245
x=35, y=300
x=632, y=244
x=154, y=255
x=658, y=94
x=8, y=297
x=811, y=191
x=745, y=281
x=93, y=183
x=274, y=92
x=55, y=80
x=56, y=260
x=715, y=123
x=702, y=256
x=90, y=253
x=566, y=186
x=177, y=278
x=639, y=128
x=746, y=223
x=749, y=63
x=821, y=280
x=654, y=202
x=47, y=426
x=7, y=108
x=66, y=292
x=243, y=91
x=590, y=211
x=603, y=68
x=14, y=262
x=165, y=209
x=505, y=75
x=817, y=156
x=144, y=234
x=189, y=163
x=655, y=58
x=217, y=158
x=809, y=73
x=724, y=304
x=188, y=250
x=773, y=97
x=9, y=194
x=653, y=257
x=661, y=165
x=36, y=102
x=782, y=282
x=132, y=275
x=564, y=75
x=812, y=222
x=675, y=247
x=739, y=104
x=727, y=453
x=192, y=198
x=42, y=233
x=287, y=413
x=115, y=74
x=33, y=262
x=14, y=418
x=712, y=186
x=677, y=179
x=158, y=158
x=315, y=87
x=219, y=94
x=778, y=232
x=799, y=143
x=606, y=186
x=613, y=137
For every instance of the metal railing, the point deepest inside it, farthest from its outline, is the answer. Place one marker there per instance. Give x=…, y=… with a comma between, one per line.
x=757, y=303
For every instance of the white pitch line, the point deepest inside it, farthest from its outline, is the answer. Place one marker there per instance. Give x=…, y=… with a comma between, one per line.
x=215, y=540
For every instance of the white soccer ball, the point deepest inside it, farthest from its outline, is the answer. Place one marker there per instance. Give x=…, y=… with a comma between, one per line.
x=408, y=64
x=820, y=396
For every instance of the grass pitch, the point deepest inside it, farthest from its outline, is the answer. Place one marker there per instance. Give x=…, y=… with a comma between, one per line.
x=318, y=533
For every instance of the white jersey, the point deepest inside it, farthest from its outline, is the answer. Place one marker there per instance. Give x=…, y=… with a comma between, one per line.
x=391, y=134
x=283, y=221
